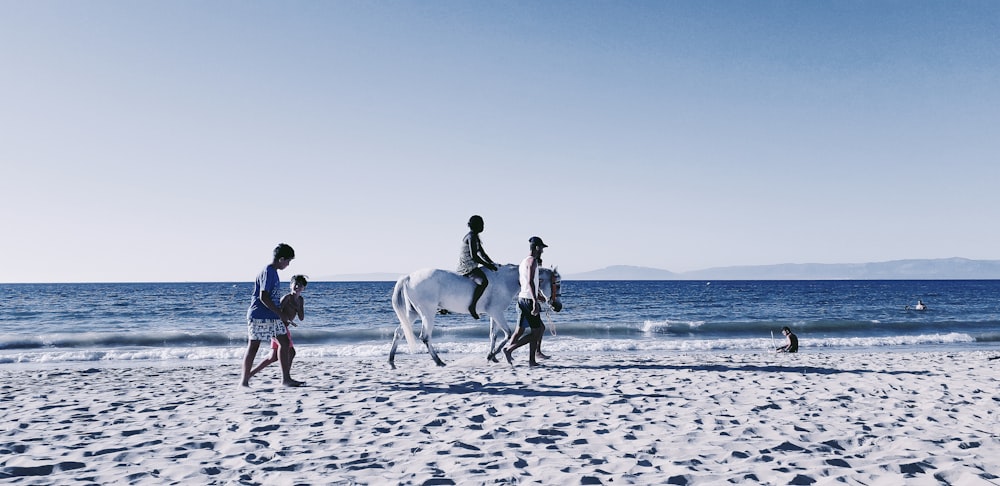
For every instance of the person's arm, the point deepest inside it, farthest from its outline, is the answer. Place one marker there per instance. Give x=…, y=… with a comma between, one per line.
x=479, y=254
x=265, y=298
x=532, y=271
x=302, y=308
x=787, y=346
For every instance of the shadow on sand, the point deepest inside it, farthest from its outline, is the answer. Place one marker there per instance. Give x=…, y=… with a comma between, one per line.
x=721, y=368
x=541, y=390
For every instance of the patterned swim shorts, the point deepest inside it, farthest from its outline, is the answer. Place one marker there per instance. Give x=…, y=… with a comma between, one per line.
x=265, y=329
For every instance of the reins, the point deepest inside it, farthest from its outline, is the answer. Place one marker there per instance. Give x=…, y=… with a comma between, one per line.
x=553, y=290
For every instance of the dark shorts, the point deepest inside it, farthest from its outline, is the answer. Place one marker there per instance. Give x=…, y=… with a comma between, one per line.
x=527, y=318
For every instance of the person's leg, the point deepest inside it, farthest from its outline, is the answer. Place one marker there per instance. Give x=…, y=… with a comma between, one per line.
x=285, y=361
x=481, y=284
x=267, y=362
x=525, y=308
x=536, y=331
x=291, y=349
x=525, y=339
x=541, y=334
x=518, y=331
x=251, y=354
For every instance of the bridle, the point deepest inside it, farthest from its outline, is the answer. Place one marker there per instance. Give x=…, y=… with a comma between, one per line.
x=555, y=285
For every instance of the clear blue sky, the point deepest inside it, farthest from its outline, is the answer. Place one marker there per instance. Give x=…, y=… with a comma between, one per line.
x=180, y=141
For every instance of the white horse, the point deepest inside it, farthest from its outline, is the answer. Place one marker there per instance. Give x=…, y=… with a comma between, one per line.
x=423, y=293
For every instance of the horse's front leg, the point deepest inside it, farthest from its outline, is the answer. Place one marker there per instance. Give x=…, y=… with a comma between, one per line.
x=434, y=355
x=492, y=355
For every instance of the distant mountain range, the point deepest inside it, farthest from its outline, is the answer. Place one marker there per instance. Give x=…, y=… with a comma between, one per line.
x=624, y=272
x=932, y=269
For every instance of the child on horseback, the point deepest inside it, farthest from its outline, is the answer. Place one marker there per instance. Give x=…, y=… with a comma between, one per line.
x=473, y=255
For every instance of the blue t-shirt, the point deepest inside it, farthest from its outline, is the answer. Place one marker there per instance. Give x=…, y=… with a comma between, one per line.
x=267, y=280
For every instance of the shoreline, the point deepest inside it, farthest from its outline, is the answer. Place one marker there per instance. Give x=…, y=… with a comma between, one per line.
x=379, y=353
x=694, y=418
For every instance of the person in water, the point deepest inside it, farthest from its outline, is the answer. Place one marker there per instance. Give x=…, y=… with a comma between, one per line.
x=472, y=259
x=792, y=341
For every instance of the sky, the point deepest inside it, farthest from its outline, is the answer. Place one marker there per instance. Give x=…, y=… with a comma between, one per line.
x=183, y=140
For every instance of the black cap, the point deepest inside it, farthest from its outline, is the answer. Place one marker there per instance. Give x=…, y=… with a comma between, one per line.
x=536, y=241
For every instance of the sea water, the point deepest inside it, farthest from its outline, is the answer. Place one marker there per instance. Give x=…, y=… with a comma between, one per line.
x=205, y=322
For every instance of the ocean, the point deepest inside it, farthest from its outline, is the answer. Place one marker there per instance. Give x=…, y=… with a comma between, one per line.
x=173, y=323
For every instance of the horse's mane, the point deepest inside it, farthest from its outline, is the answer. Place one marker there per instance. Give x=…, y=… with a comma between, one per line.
x=554, y=270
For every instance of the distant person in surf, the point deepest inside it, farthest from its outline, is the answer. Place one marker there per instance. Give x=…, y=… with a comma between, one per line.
x=919, y=307
x=471, y=260
x=791, y=341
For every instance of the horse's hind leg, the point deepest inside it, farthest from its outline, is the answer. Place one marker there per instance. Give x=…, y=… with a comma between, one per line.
x=425, y=335
x=392, y=350
x=492, y=356
x=495, y=327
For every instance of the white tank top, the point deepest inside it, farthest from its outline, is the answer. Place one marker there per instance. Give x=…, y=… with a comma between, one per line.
x=524, y=271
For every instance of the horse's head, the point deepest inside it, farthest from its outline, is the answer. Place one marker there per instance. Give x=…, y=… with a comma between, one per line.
x=554, y=282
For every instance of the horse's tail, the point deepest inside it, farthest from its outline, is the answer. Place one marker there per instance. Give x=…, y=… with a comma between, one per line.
x=401, y=304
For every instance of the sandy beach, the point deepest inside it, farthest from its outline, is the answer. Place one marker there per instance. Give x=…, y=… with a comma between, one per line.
x=811, y=418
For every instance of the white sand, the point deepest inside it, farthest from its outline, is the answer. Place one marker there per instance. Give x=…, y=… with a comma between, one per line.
x=813, y=418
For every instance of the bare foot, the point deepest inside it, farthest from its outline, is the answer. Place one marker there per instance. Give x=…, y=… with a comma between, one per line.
x=510, y=360
x=293, y=383
x=541, y=356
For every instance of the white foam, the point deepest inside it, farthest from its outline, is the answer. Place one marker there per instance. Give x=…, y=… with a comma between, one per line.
x=552, y=344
